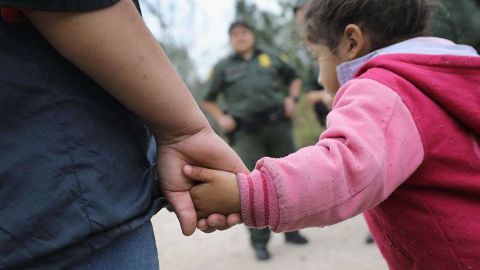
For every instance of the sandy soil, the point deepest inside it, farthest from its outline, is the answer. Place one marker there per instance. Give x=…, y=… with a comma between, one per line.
x=338, y=247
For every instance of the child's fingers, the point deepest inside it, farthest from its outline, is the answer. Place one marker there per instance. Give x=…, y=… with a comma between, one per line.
x=203, y=226
x=222, y=223
x=198, y=173
x=234, y=219
x=215, y=222
x=209, y=230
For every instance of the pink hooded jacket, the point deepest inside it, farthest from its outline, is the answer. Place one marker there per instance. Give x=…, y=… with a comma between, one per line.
x=401, y=144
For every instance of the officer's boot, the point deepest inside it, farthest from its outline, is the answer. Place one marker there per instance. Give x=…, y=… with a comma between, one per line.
x=369, y=239
x=259, y=239
x=261, y=252
x=295, y=238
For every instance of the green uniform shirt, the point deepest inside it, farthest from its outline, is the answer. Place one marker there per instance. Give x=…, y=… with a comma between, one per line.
x=250, y=86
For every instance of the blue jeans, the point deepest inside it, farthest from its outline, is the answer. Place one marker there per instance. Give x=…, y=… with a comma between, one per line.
x=136, y=250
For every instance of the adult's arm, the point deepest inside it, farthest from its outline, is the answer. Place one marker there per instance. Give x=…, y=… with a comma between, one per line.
x=115, y=48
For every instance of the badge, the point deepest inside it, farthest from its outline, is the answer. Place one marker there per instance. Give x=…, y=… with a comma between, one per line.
x=265, y=60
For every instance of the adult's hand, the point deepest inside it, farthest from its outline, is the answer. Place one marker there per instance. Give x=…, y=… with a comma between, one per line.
x=227, y=123
x=290, y=107
x=320, y=96
x=202, y=148
x=315, y=96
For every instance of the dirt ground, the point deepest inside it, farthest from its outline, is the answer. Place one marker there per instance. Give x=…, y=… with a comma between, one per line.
x=338, y=247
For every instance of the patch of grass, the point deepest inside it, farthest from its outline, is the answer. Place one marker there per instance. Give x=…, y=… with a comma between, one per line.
x=306, y=128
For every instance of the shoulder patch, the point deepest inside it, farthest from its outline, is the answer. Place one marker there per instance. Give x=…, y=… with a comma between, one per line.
x=265, y=60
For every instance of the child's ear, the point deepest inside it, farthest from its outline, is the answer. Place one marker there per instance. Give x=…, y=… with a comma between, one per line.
x=356, y=42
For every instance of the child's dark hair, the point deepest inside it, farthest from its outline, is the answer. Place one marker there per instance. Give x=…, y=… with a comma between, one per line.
x=386, y=21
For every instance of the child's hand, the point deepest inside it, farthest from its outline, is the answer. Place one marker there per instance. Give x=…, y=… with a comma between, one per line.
x=216, y=192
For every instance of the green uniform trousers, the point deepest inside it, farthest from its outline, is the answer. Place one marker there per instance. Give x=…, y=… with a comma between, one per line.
x=272, y=140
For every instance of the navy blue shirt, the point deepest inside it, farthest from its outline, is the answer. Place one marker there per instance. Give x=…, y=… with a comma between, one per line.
x=74, y=170
x=58, y=5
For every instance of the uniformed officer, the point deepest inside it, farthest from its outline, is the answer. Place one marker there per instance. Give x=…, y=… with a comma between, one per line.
x=260, y=91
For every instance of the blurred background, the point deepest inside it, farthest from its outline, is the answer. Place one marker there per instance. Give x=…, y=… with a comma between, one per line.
x=194, y=35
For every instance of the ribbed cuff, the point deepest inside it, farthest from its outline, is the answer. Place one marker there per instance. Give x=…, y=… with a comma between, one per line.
x=259, y=204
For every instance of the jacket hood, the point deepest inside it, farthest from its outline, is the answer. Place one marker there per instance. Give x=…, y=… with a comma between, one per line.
x=451, y=81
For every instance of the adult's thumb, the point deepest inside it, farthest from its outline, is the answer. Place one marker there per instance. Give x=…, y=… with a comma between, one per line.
x=183, y=206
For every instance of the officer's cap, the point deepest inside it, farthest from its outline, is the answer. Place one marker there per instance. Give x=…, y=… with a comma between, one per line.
x=239, y=24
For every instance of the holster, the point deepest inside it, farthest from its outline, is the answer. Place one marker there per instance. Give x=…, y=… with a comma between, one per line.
x=258, y=121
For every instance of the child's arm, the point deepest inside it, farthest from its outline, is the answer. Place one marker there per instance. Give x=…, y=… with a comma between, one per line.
x=370, y=147
x=114, y=47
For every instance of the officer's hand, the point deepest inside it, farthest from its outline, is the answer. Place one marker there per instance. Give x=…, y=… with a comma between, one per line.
x=320, y=96
x=227, y=123
x=290, y=107
x=202, y=148
x=315, y=96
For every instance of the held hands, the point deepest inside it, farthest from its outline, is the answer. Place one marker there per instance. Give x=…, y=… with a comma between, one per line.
x=216, y=192
x=202, y=147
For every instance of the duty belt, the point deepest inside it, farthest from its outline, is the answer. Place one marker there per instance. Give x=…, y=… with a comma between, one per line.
x=259, y=120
